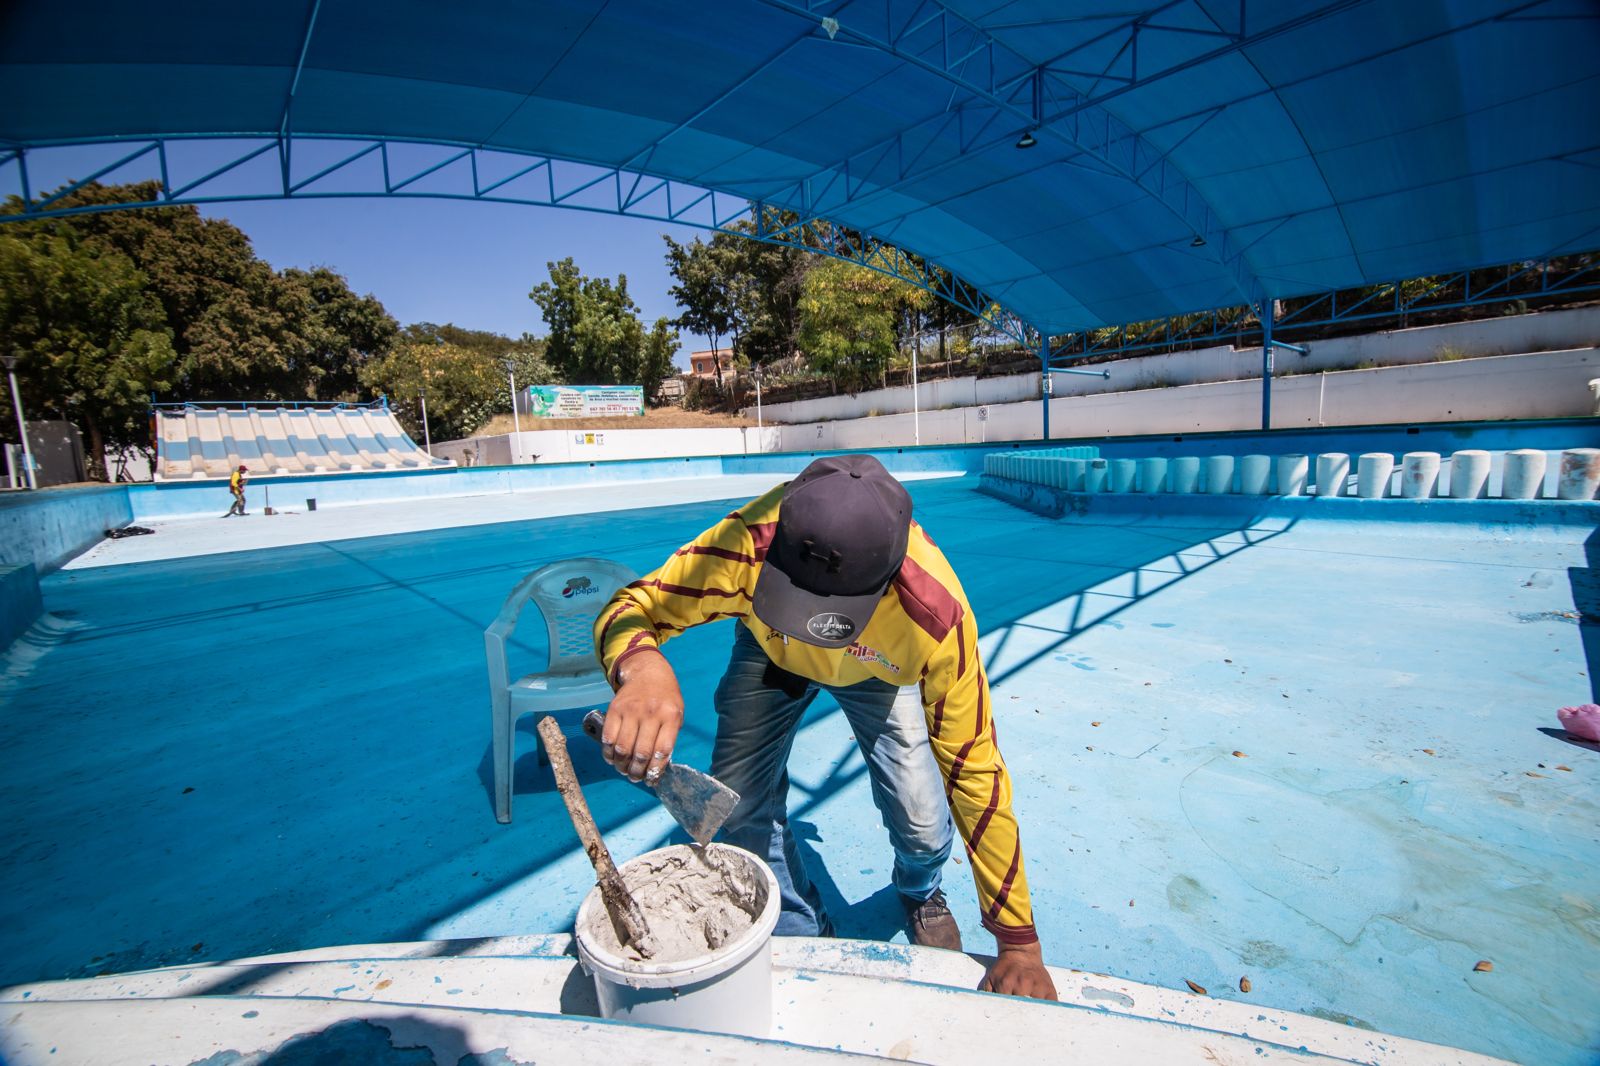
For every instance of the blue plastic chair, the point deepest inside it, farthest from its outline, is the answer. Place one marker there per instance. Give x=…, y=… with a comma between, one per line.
x=569, y=595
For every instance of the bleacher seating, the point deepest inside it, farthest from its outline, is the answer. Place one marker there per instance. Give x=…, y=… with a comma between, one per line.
x=197, y=442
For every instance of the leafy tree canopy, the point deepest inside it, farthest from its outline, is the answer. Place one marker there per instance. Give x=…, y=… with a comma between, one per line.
x=596, y=337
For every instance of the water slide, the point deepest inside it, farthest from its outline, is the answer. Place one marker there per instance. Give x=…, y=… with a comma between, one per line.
x=205, y=443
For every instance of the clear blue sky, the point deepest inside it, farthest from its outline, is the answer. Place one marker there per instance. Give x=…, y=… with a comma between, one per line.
x=472, y=264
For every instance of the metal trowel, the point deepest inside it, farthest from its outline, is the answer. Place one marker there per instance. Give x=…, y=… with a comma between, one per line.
x=697, y=800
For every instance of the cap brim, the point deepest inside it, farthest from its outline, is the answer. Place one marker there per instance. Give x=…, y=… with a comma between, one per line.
x=823, y=621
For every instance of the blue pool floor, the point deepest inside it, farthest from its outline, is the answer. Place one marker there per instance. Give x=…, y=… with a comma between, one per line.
x=1321, y=755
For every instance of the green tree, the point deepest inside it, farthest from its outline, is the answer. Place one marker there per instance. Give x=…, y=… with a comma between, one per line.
x=848, y=319
x=596, y=337
x=656, y=354
x=702, y=291
x=91, y=339
x=241, y=329
x=465, y=388
x=341, y=332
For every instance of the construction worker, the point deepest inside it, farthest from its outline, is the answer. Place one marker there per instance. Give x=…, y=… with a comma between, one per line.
x=236, y=484
x=835, y=589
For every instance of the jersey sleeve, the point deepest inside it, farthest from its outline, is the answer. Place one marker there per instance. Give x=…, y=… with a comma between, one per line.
x=711, y=577
x=955, y=696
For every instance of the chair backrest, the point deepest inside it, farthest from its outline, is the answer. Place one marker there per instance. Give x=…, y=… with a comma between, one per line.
x=569, y=595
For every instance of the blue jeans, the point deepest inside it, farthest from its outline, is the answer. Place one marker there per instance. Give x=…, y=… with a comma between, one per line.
x=756, y=725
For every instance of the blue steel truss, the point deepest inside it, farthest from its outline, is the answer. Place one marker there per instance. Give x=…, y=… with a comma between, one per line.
x=466, y=172
x=1001, y=94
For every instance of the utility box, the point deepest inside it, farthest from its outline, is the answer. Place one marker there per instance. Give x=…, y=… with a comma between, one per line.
x=57, y=453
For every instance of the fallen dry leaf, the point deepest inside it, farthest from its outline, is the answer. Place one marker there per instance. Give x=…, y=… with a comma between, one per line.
x=1130, y=903
x=385, y=983
x=1427, y=751
x=1568, y=769
x=1244, y=984
x=1094, y=723
x=1196, y=989
x=1484, y=966
x=1088, y=747
x=1530, y=773
x=1240, y=755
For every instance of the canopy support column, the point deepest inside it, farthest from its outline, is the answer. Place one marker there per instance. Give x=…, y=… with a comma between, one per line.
x=1266, y=364
x=1045, y=389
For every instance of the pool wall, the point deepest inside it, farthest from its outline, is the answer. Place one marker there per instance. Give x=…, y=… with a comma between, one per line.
x=48, y=528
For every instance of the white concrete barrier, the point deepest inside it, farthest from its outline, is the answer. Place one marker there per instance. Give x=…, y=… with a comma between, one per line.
x=1183, y=475
x=1469, y=474
x=1333, y=470
x=1096, y=476
x=1522, y=477
x=1219, y=474
x=1292, y=471
x=1374, y=471
x=1152, y=474
x=1419, y=475
x=1124, y=473
x=1255, y=475
x=1580, y=474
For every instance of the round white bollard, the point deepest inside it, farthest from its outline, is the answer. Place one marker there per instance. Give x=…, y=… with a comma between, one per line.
x=1523, y=475
x=1152, y=474
x=1373, y=473
x=1255, y=474
x=1419, y=475
x=1075, y=470
x=1219, y=474
x=1580, y=474
x=1123, y=474
x=725, y=990
x=1292, y=470
x=1333, y=470
x=1183, y=475
x=1469, y=475
x=1095, y=475
x=1056, y=473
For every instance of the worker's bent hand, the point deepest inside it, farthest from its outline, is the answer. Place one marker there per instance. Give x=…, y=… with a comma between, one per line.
x=1019, y=971
x=643, y=719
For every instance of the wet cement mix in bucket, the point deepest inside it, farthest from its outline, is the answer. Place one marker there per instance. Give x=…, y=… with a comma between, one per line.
x=695, y=900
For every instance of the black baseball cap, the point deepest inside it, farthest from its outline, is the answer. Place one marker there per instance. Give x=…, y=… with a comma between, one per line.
x=841, y=537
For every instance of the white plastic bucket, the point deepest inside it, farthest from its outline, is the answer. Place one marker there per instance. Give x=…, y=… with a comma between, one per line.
x=728, y=990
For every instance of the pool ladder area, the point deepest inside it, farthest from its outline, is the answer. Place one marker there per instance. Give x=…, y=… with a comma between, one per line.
x=1524, y=474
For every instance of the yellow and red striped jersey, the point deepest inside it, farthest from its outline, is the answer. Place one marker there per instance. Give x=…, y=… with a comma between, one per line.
x=923, y=633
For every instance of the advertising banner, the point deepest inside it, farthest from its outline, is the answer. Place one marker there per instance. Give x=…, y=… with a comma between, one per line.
x=581, y=401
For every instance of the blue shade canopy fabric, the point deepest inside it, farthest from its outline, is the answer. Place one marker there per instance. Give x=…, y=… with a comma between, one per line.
x=1194, y=154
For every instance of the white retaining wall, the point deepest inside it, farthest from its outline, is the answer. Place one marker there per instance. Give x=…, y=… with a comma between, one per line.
x=1537, y=385
x=596, y=445
x=1540, y=385
x=1547, y=331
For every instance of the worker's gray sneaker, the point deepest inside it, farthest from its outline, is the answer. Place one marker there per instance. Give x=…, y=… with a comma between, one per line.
x=930, y=923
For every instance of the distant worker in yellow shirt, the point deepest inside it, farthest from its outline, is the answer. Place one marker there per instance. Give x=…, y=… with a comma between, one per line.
x=835, y=589
x=236, y=485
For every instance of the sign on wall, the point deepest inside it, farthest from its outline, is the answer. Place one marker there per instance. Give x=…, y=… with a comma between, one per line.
x=581, y=401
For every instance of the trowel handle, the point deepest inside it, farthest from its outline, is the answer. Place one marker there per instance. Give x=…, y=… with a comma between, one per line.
x=594, y=724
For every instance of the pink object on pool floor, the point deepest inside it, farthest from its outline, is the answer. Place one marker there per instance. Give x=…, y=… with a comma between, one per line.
x=1581, y=721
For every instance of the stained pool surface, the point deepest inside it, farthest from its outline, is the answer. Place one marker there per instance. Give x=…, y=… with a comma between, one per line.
x=1319, y=754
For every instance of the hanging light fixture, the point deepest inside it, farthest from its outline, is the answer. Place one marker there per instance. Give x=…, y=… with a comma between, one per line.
x=1027, y=140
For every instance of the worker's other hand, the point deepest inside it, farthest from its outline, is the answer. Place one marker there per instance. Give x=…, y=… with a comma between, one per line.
x=644, y=717
x=1019, y=971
